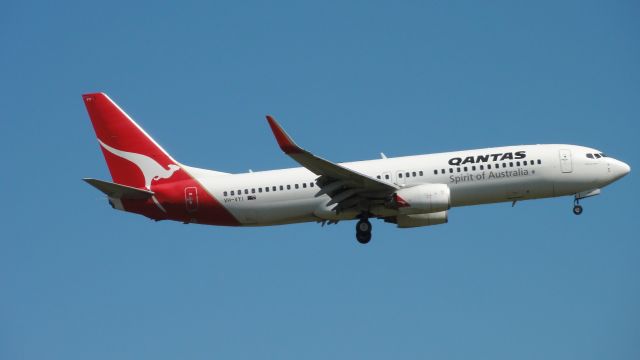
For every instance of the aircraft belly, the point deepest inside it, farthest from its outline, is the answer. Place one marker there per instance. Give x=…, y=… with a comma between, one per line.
x=264, y=212
x=585, y=176
x=468, y=194
x=499, y=190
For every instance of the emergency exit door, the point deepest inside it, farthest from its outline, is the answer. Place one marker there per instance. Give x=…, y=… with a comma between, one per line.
x=565, y=161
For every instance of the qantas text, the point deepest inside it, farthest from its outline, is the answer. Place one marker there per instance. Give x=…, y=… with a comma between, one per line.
x=488, y=157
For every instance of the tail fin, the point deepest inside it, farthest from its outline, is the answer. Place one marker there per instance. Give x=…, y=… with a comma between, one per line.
x=133, y=157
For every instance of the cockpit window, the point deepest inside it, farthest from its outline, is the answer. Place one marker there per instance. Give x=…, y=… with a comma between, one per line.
x=597, y=156
x=603, y=155
x=590, y=156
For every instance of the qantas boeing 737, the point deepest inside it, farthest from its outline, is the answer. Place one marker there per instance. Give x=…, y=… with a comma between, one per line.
x=408, y=191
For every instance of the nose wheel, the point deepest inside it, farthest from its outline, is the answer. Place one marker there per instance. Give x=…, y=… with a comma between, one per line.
x=363, y=231
x=577, y=208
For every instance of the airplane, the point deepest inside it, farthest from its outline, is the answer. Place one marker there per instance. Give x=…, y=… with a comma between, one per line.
x=408, y=191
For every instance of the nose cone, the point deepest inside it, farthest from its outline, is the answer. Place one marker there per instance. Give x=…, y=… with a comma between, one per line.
x=625, y=168
x=619, y=169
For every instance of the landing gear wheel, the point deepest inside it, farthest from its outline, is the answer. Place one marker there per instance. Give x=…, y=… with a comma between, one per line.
x=577, y=209
x=363, y=231
x=363, y=226
x=363, y=237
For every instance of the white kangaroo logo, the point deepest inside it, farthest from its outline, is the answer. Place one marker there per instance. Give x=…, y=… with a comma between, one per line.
x=150, y=168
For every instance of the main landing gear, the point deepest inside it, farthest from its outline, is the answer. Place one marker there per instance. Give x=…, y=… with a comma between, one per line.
x=363, y=230
x=577, y=208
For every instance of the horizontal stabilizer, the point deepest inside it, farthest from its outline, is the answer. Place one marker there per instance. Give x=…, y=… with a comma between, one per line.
x=119, y=191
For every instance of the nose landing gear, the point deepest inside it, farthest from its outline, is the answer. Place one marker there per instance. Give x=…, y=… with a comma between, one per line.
x=577, y=208
x=363, y=231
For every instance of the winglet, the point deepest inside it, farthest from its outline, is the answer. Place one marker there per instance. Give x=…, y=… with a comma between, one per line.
x=284, y=141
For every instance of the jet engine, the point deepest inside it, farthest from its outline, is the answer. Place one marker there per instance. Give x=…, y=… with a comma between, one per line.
x=409, y=221
x=422, y=199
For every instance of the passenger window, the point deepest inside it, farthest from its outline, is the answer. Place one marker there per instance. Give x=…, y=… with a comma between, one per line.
x=539, y=162
x=458, y=169
x=259, y=190
x=225, y=193
x=407, y=174
x=274, y=188
x=442, y=171
x=481, y=167
x=378, y=176
x=435, y=172
x=297, y=186
x=288, y=187
x=253, y=191
x=511, y=164
x=473, y=168
x=525, y=163
x=266, y=189
x=246, y=191
x=232, y=193
x=421, y=173
x=400, y=175
x=465, y=169
x=304, y=185
x=504, y=165
x=450, y=171
x=310, y=184
x=489, y=166
x=517, y=163
x=386, y=177
x=281, y=187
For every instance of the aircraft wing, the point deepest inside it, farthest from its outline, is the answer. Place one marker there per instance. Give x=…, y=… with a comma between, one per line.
x=346, y=187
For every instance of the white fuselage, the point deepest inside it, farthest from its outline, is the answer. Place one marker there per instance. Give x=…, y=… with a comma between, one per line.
x=289, y=195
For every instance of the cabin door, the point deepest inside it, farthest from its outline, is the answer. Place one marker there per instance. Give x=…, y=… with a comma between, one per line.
x=565, y=161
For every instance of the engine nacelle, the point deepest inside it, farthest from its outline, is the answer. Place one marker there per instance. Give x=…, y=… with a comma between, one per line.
x=422, y=199
x=409, y=221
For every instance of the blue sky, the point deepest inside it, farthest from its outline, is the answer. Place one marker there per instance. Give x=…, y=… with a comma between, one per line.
x=347, y=80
